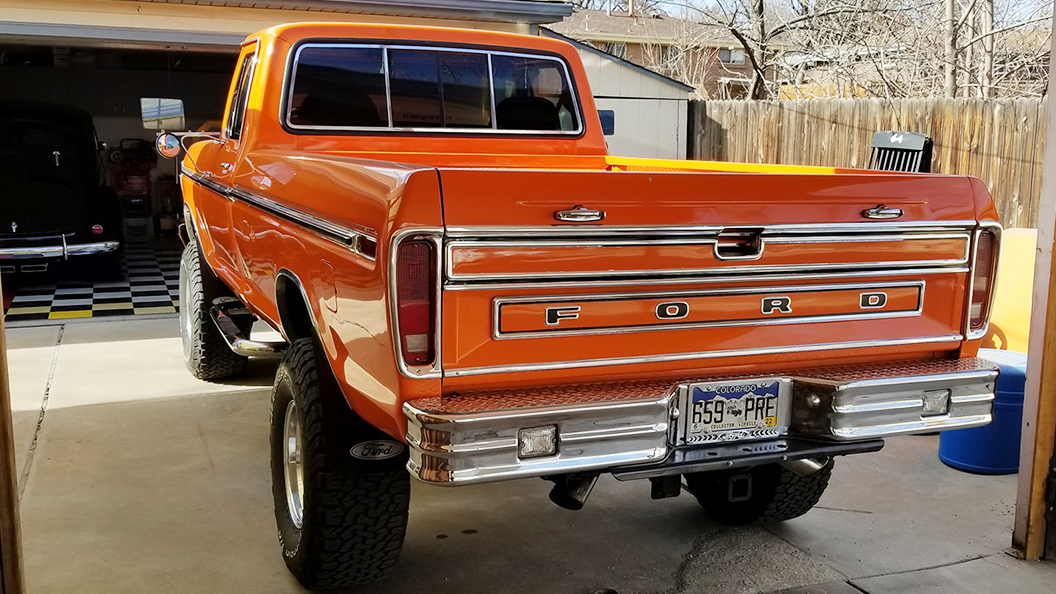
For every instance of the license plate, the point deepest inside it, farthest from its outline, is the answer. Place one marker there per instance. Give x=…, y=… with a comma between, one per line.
x=735, y=410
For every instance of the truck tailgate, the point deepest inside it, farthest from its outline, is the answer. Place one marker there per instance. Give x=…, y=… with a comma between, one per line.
x=695, y=273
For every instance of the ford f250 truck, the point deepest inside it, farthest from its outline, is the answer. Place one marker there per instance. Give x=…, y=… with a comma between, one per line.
x=471, y=289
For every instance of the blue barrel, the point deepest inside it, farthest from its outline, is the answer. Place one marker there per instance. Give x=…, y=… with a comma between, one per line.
x=994, y=448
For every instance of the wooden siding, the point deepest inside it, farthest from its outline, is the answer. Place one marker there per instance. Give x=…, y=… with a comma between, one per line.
x=999, y=141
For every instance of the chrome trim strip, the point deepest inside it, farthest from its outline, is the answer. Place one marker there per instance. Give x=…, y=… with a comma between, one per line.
x=435, y=235
x=452, y=286
x=777, y=350
x=344, y=236
x=491, y=91
x=995, y=228
x=558, y=231
x=293, y=60
x=938, y=423
x=59, y=251
x=498, y=302
x=451, y=246
x=388, y=86
x=743, y=270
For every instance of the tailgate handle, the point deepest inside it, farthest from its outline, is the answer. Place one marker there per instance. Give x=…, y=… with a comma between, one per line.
x=882, y=212
x=743, y=243
x=579, y=214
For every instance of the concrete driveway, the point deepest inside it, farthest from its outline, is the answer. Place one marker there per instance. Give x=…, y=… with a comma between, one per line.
x=138, y=478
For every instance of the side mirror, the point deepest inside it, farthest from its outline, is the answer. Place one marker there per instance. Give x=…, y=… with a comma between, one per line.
x=608, y=121
x=162, y=114
x=167, y=145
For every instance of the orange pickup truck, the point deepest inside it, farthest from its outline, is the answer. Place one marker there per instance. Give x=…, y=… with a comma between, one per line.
x=471, y=289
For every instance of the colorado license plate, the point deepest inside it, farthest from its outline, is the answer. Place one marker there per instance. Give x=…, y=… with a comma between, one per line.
x=734, y=410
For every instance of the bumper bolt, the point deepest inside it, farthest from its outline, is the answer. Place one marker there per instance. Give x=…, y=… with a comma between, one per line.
x=814, y=401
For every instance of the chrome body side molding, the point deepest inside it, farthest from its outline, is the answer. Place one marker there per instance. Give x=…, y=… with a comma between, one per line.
x=359, y=242
x=629, y=428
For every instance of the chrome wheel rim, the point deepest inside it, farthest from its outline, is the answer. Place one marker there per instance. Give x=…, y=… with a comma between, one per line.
x=185, y=310
x=293, y=465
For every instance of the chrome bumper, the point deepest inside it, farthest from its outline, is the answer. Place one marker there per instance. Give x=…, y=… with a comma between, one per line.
x=628, y=428
x=59, y=251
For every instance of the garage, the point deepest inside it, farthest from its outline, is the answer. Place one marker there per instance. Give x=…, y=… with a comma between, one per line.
x=101, y=57
x=647, y=111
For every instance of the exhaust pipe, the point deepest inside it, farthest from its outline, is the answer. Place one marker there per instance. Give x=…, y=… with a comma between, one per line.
x=571, y=490
x=806, y=466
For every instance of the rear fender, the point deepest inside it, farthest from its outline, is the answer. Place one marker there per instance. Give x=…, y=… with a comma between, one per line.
x=351, y=442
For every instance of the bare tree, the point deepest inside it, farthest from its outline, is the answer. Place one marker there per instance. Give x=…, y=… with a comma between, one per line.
x=887, y=48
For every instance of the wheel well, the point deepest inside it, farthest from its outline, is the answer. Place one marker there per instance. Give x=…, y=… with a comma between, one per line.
x=294, y=314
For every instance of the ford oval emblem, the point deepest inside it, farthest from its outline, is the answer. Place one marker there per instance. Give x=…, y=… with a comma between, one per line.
x=379, y=449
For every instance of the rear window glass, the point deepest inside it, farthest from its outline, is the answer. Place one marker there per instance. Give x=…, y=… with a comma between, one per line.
x=341, y=87
x=532, y=94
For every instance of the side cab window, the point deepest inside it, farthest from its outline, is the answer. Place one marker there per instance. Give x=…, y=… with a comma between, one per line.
x=236, y=115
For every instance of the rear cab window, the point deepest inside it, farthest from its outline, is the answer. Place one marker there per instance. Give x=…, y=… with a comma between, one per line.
x=352, y=87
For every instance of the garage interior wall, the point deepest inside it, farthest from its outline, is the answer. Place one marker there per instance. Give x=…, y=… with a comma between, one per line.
x=111, y=93
x=108, y=84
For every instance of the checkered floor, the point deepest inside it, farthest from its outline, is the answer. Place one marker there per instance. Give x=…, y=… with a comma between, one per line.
x=152, y=287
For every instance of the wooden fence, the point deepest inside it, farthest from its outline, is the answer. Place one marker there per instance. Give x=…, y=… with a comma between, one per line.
x=999, y=141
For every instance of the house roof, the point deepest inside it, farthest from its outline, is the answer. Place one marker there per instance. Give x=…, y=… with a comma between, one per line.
x=519, y=11
x=584, y=47
x=618, y=27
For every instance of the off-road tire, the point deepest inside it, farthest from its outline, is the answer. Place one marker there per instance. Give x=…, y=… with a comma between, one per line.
x=354, y=515
x=204, y=349
x=778, y=494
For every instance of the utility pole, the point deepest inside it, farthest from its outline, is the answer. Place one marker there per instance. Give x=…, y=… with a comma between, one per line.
x=11, y=578
x=950, y=67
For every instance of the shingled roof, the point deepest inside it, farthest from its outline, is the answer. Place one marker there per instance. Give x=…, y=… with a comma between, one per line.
x=619, y=27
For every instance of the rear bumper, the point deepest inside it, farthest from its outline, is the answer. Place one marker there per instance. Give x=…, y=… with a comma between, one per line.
x=61, y=250
x=630, y=428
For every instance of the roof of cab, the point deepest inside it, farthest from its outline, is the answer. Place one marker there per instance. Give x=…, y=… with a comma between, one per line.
x=294, y=32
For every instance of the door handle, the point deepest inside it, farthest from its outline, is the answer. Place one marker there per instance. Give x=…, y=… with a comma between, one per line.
x=56, y=155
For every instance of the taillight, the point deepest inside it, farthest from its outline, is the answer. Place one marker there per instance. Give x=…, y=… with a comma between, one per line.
x=415, y=301
x=984, y=269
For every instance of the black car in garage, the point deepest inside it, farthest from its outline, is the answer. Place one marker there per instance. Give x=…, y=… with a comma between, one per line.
x=55, y=207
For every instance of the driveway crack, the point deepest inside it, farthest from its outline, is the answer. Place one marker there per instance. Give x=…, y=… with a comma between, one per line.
x=929, y=568
x=24, y=477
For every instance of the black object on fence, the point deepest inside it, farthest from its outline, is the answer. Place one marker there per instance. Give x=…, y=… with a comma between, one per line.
x=901, y=151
